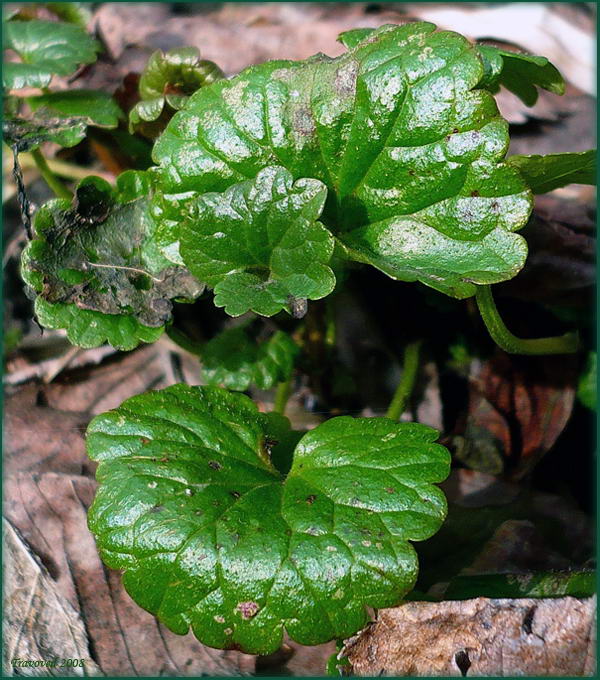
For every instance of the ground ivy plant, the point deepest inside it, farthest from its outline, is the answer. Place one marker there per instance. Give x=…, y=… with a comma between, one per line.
x=265, y=188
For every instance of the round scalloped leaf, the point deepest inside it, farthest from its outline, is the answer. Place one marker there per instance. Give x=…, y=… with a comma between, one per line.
x=235, y=360
x=97, y=254
x=411, y=151
x=211, y=536
x=46, y=48
x=259, y=243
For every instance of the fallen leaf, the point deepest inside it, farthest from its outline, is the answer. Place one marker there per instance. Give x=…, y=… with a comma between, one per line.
x=39, y=623
x=498, y=637
x=517, y=409
x=51, y=513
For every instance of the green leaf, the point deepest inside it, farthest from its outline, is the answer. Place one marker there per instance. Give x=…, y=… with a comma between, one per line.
x=29, y=134
x=97, y=255
x=211, y=536
x=350, y=39
x=86, y=328
x=165, y=85
x=588, y=382
x=410, y=150
x=545, y=173
x=235, y=360
x=94, y=107
x=522, y=74
x=46, y=48
x=540, y=584
x=77, y=13
x=259, y=243
x=180, y=69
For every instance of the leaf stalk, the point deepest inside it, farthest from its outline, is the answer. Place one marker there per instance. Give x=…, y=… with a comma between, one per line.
x=410, y=366
x=282, y=395
x=560, y=344
x=49, y=177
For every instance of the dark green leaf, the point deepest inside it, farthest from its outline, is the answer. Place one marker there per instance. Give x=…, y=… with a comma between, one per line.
x=46, y=48
x=545, y=173
x=522, y=74
x=211, y=536
x=259, y=243
x=165, y=85
x=235, y=360
x=514, y=586
x=178, y=70
x=588, y=382
x=92, y=106
x=411, y=153
x=97, y=255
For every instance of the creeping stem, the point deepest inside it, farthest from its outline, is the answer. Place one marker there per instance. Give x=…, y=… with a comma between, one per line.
x=50, y=178
x=410, y=365
x=560, y=344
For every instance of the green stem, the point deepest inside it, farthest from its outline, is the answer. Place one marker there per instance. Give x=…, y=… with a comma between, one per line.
x=410, y=365
x=51, y=179
x=560, y=344
x=330, y=323
x=282, y=394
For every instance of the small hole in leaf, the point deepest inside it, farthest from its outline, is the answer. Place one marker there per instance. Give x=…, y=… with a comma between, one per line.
x=214, y=465
x=40, y=398
x=463, y=662
x=527, y=624
x=311, y=499
x=235, y=494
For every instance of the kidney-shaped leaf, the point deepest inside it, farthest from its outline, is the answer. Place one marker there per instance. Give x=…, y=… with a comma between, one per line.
x=45, y=48
x=259, y=243
x=211, y=536
x=97, y=256
x=410, y=149
x=236, y=360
